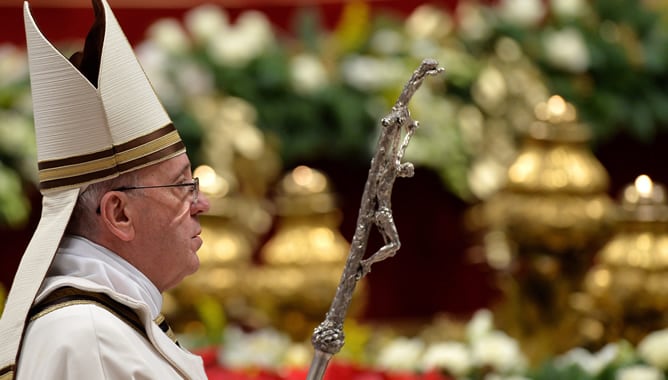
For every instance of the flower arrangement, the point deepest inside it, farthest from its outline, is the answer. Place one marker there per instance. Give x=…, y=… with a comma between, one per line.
x=317, y=94
x=482, y=353
x=607, y=57
x=320, y=93
x=297, y=98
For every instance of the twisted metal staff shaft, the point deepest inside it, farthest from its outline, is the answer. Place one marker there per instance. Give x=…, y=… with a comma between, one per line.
x=376, y=210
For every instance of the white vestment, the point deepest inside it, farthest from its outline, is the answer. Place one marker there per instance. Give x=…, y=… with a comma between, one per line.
x=86, y=341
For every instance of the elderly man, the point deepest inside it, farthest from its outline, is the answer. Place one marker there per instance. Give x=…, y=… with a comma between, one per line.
x=119, y=220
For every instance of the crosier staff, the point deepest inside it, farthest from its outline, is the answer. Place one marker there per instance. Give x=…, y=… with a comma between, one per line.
x=376, y=210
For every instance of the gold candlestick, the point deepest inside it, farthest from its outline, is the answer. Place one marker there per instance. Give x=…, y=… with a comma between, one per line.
x=301, y=262
x=626, y=291
x=554, y=213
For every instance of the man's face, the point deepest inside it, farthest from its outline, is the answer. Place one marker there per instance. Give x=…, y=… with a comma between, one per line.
x=167, y=228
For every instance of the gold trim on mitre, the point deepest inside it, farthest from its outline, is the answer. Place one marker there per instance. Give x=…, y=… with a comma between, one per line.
x=146, y=150
x=140, y=152
x=75, y=171
x=7, y=373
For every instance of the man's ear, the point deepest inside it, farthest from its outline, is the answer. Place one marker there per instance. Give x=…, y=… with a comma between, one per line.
x=115, y=215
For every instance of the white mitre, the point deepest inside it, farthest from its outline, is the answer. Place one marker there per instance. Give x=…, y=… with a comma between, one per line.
x=86, y=132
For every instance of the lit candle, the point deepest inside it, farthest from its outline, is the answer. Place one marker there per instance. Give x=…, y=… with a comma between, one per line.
x=644, y=186
x=555, y=110
x=646, y=199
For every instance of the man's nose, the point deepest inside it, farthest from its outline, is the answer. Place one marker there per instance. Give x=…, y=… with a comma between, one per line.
x=202, y=205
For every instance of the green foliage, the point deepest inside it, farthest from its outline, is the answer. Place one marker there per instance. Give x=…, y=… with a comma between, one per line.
x=623, y=89
x=212, y=315
x=329, y=123
x=14, y=206
x=608, y=57
x=17, y=151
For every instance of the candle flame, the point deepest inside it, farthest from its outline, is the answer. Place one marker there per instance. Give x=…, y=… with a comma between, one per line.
x=307, y=179
x=644, y=185
x=556, y=105
x=556, y=110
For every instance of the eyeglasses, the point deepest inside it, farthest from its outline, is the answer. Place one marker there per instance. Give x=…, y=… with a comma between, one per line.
x=194, y=188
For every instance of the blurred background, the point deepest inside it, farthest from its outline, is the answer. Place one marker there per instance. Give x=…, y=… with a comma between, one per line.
x=538, y=193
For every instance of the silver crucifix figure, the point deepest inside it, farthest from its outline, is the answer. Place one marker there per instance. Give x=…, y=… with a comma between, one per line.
x=376, y=209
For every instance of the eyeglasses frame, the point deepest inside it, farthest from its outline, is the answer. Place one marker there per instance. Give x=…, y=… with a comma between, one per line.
x=194, y=189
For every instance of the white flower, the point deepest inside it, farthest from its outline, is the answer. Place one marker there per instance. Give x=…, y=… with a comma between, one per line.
x=451, y=356
x=523, y=13
x=18, y=137
x=401, y=354
x=308, y=73
x=639, y=372
x=298, y=356
x=13, y=64
x=246, y=40
x=371, y=74
x=387, y=41
x=428, y=21
x=18, y=140
x=423, y=47
x=608, y=354
x=263, y=348
x=567, y=50
x=654, y=349
x=496, y=376
x=230, y=49
x=480, y=325
x=169, y=35
x=155, y=62
x=569, y=9
x=151, y=56
x=206, y=22
x=499, y=351
x=472, y=22
x=194, y=79
x=593, y=364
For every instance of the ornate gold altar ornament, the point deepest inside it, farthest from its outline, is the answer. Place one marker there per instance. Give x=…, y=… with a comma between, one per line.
x=375, y=210
x=554, y=213
x=626, y=291
x=229, y=243
x=308, y=212
x=301, y=262
x=555, y=194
